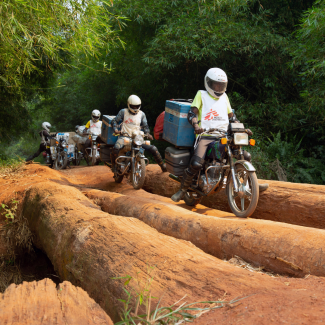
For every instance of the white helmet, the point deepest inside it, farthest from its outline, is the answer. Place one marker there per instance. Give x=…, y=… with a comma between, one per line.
x=215, y=82
x=46, y=126
x=134, y=104
x=95, y=115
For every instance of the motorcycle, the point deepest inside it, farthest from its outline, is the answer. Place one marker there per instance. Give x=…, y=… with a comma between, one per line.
x=93, y=151
x=131, y=161
x=59, y=152
x=237, y=174
x=77, y=156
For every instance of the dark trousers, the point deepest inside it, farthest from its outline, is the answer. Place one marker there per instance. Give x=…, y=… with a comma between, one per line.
x=41, y=148
x=155, y=153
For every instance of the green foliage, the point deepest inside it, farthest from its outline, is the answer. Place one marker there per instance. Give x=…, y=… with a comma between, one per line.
x=9, y=213
x=34, y=31
x=285, y=161
x=177, y=313
x=276, y=77
x=38, y=37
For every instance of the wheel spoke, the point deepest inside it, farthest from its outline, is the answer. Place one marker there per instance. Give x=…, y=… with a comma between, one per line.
x=242, y=204
x=245, y=178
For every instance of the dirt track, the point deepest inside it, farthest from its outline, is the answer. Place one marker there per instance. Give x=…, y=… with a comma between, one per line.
x=123, y=245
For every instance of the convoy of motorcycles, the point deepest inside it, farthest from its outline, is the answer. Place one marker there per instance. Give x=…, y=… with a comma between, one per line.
x=231, y=172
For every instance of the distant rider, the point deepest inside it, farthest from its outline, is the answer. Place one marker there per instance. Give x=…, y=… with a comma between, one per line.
x=132, y=118
x=45, y=135
x=94, y=126
x=210, y=109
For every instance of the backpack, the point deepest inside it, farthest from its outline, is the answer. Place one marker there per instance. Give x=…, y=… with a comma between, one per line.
x=159, y=126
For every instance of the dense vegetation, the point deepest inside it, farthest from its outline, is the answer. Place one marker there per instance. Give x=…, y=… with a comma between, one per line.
x=272, y=51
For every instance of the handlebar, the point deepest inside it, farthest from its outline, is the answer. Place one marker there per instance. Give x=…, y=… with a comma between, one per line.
x=209, y=130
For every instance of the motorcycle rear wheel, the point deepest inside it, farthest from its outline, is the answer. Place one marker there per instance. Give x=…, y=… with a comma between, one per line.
x=138, y=178
x=243, y=204
x=192, y=198
x=93, y=158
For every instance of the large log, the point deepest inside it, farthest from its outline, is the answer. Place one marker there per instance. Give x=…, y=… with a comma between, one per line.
x=298, y=204
x=33, y=303
x=89, y=247
x=279, y=247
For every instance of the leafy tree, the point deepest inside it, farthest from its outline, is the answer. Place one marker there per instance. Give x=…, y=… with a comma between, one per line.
x=37, y=37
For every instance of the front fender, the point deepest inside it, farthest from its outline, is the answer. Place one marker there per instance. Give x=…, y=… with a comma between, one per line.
x=246, y=164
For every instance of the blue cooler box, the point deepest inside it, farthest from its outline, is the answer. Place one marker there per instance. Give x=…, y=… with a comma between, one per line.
x=177, y=129
x=107, y=130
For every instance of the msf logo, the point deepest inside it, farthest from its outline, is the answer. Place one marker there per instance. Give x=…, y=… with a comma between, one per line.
x=128, y=121
x=211, y=115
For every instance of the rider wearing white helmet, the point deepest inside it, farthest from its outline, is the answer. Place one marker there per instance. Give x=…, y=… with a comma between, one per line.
x=132, y=118
x=210, y=109
x=45, y=135
x=95, y=127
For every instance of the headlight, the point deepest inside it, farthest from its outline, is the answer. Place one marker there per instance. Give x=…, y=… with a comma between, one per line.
x=138, y=140
x=241, y=139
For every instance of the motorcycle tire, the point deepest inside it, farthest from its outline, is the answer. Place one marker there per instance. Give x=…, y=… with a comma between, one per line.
x=192, y=198
x=61, y=161
x=138, y=178
x=249, y=202
x=93, y=159
x=77, y=159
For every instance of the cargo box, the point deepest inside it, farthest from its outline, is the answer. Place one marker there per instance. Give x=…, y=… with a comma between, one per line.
x=63, y=135
x=177, y=129
x=107, y=130
x=177, y=160
x=105, y=153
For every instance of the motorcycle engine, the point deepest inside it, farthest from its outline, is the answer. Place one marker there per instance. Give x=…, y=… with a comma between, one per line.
x=214, y=176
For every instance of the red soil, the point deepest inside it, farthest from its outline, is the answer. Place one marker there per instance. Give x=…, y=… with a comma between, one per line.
x=127, y=249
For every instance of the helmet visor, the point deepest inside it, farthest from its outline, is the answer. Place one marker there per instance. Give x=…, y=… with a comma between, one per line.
x=135, y=107
x=218, y=87
x=95, y=118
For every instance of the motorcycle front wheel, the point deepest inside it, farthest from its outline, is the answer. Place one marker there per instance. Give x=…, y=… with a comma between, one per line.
x=139, y=175
x=61, y=161
x=77, y=158
x=93, y=157
x=243, y=203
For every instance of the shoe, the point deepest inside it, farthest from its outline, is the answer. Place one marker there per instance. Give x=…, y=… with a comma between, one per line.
x=263, y=187
x=185, y=184
x=178, y=196
x=163, y=167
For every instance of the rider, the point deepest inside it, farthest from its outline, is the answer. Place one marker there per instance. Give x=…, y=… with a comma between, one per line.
x=45, y=135
x=210, y=109
x=95, y=127
x=133, y=119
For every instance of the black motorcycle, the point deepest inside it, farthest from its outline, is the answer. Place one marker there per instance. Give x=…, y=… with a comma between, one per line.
x=231, y=170
x=59, y=151
x=131, y=161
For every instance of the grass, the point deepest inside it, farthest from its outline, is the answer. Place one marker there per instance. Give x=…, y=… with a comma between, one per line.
x=137, y=306
x=11, y=167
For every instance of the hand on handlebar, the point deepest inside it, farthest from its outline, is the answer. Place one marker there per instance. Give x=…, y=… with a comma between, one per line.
x=116, y=131
x=249, y=132
x=149, y=136
x=197, y=129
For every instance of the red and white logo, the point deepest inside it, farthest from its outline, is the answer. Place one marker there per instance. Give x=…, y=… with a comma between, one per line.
x=128, y=121
x=211, y=115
